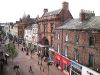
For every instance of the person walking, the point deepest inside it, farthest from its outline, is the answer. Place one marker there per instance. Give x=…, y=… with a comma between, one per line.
x=30, y=69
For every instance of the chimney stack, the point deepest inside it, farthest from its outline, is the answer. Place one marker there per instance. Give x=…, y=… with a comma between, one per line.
x=65, y=5
x=86, y=14
x=45, y=10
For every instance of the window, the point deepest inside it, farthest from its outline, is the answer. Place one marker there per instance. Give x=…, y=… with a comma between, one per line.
x=66, y=51
x=66, y=39
x=51, y=40
x=58, y=36
x=58, y=46
x=46, y=30
x=51, y=27
x=65, y=67
x=76, y=38
x=76, y=55
x=91, y=60
x=91, y=41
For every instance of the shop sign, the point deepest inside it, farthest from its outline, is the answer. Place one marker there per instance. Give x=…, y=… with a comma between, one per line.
x=66, y=61
x=57, y=56
x=76, y=65
x=88, y=71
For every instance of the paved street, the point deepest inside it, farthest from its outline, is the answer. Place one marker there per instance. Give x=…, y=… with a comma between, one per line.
x=24, y=61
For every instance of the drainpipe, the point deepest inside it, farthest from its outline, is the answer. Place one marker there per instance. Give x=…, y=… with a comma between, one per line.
x=62, y=43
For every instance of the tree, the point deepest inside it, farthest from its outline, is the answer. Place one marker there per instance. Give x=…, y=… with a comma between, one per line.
x=12, y=50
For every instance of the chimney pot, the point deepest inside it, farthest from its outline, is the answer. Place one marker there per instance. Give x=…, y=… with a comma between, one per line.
x=45, y=10
x=65, y=5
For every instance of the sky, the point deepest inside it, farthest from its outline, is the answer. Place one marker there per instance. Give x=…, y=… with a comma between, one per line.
x=12, y=10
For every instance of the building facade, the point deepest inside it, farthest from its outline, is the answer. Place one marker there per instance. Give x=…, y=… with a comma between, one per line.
x=50, y=20
x=23, y=23
x=80, y=40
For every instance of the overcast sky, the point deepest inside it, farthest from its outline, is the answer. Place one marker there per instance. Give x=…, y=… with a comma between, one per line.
x=12, y=10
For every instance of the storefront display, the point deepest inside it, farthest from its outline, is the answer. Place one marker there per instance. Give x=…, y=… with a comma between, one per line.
x=76, y=69
x=65, y=65
x=62, y=63
x=88, y=71
x=57, y=59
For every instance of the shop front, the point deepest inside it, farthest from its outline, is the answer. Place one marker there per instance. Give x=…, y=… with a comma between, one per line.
x=76, y=69
x=65, y=65
x=62, y=63
x=88, y=71
x=57, y=59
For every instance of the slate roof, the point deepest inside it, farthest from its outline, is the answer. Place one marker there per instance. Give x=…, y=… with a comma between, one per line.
x=52, y=12
x=92, y=23
x=29, y=27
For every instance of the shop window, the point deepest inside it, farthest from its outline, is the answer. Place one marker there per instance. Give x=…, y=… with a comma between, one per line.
x=76, y=55
x=91, y=60
x=75, y=71
x=91, y=41
x=58, y=64
x=65, y=68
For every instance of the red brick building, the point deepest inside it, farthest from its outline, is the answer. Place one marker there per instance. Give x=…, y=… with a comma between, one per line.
x=50, y=20
x=79, y=40
x=23, y=23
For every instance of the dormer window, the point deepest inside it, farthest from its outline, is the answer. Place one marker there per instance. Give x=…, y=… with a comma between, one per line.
x=91, y=41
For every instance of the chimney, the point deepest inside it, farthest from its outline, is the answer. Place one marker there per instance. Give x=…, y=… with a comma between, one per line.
x=86, y=14
x=65, y=5
x=45, y=10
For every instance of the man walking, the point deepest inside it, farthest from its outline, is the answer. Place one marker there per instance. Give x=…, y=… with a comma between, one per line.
x=30, y=69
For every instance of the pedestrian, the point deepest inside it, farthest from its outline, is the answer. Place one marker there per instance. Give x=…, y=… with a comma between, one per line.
x=22, y=49
x=30, y=69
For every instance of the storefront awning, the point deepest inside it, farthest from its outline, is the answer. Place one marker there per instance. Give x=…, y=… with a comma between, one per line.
x=40, y=45
x=51, y=49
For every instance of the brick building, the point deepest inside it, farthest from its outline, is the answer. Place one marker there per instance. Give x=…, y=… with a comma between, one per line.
x=50, y=20
x=79, y=40
x=23, y=23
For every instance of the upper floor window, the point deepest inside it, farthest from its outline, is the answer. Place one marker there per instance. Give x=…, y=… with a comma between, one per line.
x=76, y=55
x=66, y=51
x=58, y=48
x=51, y=27
x=91, y=60
x=76, y=38
x=51, y=40
x=66, y=39
x=58, y=36
x=46, y=28
x=91, y=41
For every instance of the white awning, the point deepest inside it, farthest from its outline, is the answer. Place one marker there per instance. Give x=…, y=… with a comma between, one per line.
x=40, y=45
x=51, y=49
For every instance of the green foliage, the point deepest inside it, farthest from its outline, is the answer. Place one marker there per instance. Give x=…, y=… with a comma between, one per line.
x=12, y=50
x=3, y=33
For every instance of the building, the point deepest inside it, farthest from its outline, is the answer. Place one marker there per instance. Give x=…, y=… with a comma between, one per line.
x=35, y=34
x=50, y=20
x=23, y=23
x=46, y=25
x=78, y=40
